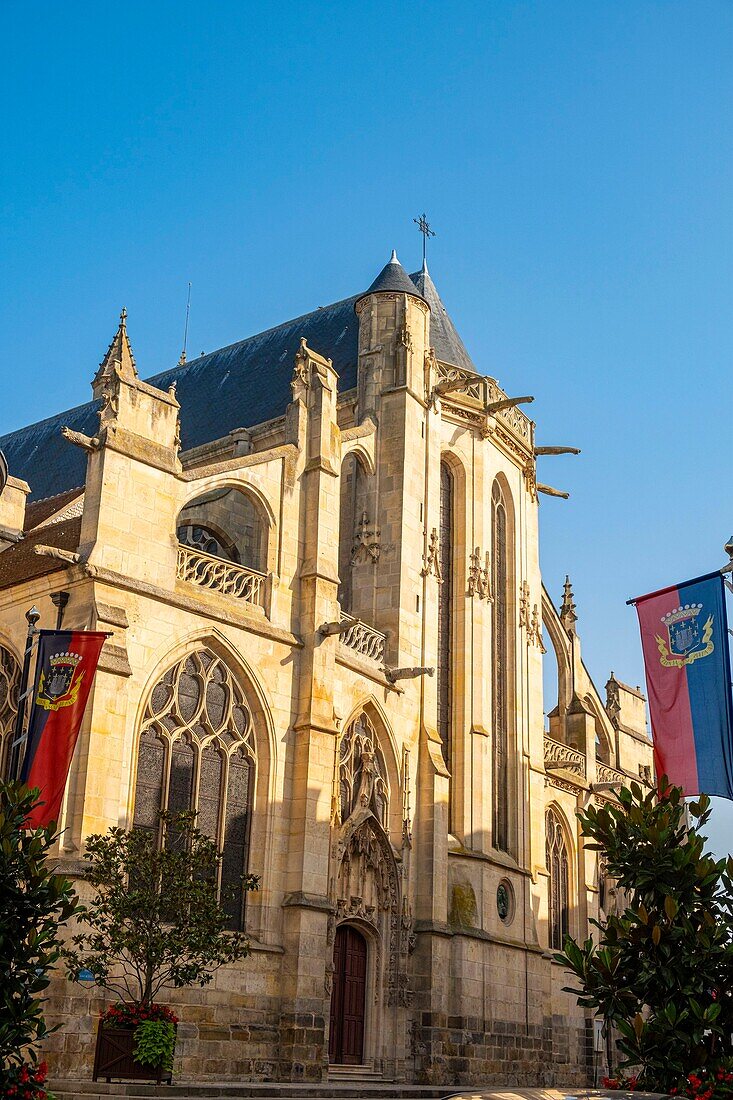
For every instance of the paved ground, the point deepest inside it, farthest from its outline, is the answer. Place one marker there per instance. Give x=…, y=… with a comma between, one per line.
x=89, y=1090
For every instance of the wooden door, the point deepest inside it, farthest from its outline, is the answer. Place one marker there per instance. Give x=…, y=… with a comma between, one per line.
x=348, y=998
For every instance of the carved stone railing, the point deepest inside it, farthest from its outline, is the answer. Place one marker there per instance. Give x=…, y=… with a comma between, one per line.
x=558, y=755
x=446, y=373
x=222, y=576
x=606, y=774
x=482, y=388
x=363, y=639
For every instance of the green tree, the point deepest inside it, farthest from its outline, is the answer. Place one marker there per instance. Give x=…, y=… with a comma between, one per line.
x=661, y=973
x=155, y=919
x=34, y=903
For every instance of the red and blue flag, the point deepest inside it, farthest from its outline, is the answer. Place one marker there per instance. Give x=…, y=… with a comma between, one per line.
x=65, y=667
x=684, y=636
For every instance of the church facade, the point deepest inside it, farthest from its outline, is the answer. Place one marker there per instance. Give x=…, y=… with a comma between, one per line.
x=316, y=553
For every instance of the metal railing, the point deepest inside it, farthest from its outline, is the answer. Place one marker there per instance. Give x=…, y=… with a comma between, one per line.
x=219, y=575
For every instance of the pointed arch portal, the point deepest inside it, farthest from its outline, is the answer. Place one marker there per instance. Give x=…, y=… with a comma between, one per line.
x=348, y=998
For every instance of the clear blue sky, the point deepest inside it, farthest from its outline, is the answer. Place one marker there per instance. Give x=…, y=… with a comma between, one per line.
x=575, y=158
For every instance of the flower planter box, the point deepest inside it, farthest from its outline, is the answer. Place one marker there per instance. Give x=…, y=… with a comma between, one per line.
x=113, y=1058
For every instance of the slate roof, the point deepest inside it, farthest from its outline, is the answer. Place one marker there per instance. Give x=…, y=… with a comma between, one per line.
x=235, y=387
x=393, y=277
x=19, y=561
x=443, y=335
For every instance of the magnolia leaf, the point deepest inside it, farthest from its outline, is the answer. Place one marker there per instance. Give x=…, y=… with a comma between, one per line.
x=670, y=907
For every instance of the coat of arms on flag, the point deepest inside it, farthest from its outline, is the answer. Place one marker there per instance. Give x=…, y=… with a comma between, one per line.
x=683, y=644
x=60, y=686
x=690, y=700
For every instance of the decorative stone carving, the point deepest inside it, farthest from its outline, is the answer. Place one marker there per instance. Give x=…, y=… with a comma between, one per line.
x=432, y=558
x=366, y=546
x=606, y=774
x=362, y=775
x=530, y=478
x=524, y=615
x=363, y=639
x=300, y=380
x=479, y=576
x=220, y=575
x=535, y=630
x=559, y=755
x=406, y=809
x=568, y=616
x=613, y=701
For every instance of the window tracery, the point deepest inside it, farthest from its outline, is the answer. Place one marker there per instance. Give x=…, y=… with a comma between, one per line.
x=197, y=752
x=199, y=537
x=362, y=774
x=445, y=614
x=556, y=853
x=228, y=524
x=9, y=686
x=500, y=666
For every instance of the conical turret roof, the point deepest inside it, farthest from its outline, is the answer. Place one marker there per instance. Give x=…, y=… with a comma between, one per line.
x=394, y=278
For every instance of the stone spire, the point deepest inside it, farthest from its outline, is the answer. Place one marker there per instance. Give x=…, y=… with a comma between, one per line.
x=118, y=360
x=568, y=616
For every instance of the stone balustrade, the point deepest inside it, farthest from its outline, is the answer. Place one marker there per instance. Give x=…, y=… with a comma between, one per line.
x=363, y=639
x=219, y=575
x=481, y=388
x=606, y=774
x=558, y=755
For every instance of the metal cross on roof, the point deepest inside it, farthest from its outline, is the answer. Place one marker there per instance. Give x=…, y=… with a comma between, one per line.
x=424, y=227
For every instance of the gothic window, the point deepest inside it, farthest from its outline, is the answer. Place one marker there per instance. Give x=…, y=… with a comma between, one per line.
x=500, y=666
x=362, y=771
x=352, y=510
x=445, y=613
x=557, y=865
x=211, y=542
x=9, y=683
x=197, y=752
x=227, y=524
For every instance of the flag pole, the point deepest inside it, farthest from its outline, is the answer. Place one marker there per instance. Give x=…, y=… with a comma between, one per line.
x=683, y=584
x=32, y=618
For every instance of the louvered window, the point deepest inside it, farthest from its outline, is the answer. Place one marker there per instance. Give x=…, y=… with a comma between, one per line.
x=557, y=866
x=500, y=667
x=9, y=684
x=445, y=615
x=197, y=752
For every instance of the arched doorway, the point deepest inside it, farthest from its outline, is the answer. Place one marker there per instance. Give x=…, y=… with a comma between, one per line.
x=348, y=998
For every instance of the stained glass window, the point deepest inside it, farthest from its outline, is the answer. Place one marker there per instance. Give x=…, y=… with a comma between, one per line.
x=557, y=866
x=197, y=752
x=445, y=614
x=9, y=682
x=500, y=667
